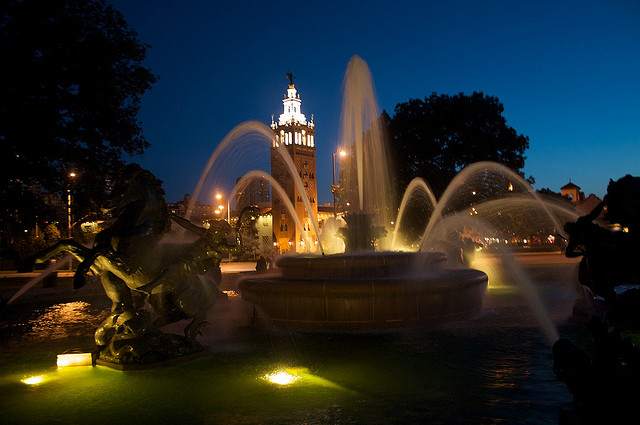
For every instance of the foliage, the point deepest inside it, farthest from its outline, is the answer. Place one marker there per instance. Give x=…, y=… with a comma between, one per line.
x=435, y=137
x=557, y=196
x=71, y=87
x=28, y=243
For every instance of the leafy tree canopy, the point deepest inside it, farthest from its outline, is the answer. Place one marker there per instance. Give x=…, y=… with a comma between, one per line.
x=72, y=80
x=435, y=137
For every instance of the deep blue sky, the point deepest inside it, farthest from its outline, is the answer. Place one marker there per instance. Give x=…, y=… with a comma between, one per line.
x=567, y=72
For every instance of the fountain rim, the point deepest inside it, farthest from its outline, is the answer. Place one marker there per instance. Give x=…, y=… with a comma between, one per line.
x=359, y=259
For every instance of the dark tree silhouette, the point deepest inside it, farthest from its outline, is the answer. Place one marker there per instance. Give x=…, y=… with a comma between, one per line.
x=435, y=137
x=70, y=88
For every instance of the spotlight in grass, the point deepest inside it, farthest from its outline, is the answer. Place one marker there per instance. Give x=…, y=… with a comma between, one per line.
x=33, y=380
x=281, y=378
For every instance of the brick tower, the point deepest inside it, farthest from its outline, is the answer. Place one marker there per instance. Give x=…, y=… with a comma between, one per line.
x=297, y=135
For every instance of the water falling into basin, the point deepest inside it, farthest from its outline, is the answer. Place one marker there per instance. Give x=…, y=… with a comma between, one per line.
x=46, y=272
x=479, y=183
x=418, y=192
x=367, y=181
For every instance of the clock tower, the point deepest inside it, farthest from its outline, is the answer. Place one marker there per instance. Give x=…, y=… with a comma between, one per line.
x=298, y=136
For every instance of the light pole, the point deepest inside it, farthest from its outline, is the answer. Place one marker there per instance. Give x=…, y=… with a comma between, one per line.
x=333, y=186
x=72, y=175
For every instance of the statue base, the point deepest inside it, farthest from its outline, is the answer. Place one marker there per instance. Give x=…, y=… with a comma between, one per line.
x=150, y=352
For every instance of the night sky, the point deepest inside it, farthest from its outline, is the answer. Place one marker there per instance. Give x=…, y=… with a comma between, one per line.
x=567, y=73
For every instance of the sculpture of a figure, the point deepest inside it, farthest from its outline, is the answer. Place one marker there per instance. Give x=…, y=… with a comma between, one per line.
x=605, y=384
x=360, y=234
x=133, y=264
x=609, y=257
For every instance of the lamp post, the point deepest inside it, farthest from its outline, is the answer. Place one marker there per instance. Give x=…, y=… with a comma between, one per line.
x=72, y=175
x=342, y=152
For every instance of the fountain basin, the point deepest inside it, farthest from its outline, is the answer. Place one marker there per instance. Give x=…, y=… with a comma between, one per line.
x=360, y=292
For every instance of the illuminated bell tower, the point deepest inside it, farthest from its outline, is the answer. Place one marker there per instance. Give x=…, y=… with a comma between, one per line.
x=294, y=132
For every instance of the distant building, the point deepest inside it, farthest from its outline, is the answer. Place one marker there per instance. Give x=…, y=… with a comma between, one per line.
x=325, y=212
x=572, y=192
x=256, y=192
x=298, y=136
x=583, y=205
x=200, y=212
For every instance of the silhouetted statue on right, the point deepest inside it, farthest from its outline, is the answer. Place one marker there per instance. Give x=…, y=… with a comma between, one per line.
x=610, y=257
x=605, y=383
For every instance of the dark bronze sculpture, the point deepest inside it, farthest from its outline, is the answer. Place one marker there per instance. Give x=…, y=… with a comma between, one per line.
x=360, y=234
x=604, y=383
x=134, y=265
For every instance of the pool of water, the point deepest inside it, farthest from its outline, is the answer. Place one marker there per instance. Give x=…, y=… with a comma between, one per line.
x=495, y=368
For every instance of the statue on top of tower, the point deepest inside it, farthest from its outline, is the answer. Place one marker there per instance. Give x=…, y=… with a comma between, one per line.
x=290, y=77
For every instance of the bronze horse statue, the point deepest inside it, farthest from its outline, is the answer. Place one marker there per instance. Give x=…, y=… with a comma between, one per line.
x=130, y=259
x=609, y=258
x=604, y=383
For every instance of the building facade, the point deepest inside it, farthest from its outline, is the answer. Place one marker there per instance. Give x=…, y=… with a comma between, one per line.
x=297, y=135
x=255, y=193
x=572, y=192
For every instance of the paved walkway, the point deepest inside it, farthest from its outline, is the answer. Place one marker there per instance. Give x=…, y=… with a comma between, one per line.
x=11, y=281
x=236, y=267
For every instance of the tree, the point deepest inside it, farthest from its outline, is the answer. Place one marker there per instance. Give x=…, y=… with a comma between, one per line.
x=436, y=137
x=72, y=79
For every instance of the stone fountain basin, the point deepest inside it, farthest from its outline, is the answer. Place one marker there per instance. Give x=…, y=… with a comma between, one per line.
x=373, y=291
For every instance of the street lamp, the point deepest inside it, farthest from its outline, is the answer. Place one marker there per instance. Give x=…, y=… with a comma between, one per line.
x=72, y=175
x=220, y=201
x=342, y=153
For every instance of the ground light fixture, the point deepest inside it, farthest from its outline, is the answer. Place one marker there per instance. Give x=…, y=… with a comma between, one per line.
x=33, y=380
x=284, y=376
x=281, y=378
x=74, y=358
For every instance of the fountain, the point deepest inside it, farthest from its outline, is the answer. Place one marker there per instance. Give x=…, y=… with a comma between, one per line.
x=493, y=367
x=372, y=285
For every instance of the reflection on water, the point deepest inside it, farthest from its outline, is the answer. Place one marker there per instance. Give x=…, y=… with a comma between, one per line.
x=61, y=321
